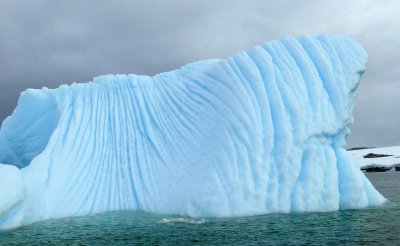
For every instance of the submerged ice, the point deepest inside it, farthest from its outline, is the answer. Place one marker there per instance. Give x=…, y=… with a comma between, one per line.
x=260, y=132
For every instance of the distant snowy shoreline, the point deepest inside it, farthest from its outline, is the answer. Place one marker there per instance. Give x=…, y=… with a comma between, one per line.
x=377, y=159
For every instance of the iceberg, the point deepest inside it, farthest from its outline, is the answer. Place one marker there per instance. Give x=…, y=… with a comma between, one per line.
x=260, y=132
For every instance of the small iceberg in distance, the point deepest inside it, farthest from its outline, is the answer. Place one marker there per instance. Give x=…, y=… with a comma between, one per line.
x=260, y=132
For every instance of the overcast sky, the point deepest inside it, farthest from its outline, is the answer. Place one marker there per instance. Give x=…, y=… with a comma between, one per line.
x=47, y=43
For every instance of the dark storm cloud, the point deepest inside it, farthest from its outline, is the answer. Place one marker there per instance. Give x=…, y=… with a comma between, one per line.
x=46, y=43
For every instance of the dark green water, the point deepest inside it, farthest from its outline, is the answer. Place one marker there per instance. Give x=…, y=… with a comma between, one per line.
x=360, y=227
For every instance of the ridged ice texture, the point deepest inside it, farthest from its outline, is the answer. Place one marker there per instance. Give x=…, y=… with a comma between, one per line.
x=260, y=132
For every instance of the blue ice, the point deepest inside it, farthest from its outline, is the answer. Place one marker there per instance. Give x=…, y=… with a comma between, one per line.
x=260, y=132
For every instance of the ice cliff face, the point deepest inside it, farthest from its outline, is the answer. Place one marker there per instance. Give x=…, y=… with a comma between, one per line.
x=260, y=132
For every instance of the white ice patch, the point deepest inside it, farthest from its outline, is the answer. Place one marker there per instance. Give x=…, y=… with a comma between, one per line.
x=12, y=195
x=182, y=221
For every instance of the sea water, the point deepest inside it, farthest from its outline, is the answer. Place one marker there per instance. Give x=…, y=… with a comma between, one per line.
x=380, y=225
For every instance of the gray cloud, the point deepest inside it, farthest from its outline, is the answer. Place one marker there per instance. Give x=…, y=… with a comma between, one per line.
x=46, y=43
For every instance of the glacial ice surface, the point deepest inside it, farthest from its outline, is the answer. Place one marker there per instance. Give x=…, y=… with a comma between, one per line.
x=260, y=132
